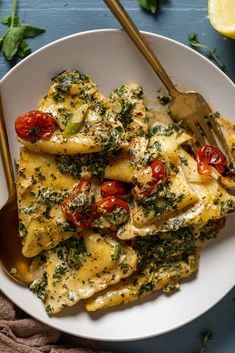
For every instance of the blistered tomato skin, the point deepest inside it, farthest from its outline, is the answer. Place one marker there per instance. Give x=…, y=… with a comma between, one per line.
x=109, y=203
x=159, y=173
x=158, y=170
x=113, y=188
x=209, y=155
x=35, y=125
x=70, y=206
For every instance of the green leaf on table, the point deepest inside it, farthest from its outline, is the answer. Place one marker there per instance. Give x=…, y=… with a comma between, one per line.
x=11, y=41
x=8, y=19
x=31, y=31
x=205, y=338
x=151, y=5
x=24, y=49
x=211, y=53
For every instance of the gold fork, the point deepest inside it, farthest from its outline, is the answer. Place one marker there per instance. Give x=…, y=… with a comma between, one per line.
x=190, y=108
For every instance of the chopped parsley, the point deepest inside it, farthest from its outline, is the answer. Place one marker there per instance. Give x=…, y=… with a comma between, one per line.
x=164, y=100
x=164, y=248
x=184, y=160
x=161, y=130
x=39, y=287
x=71, y=253
x=65, y=79
x=22, y=230
x=48, y=195
x=93, y=163
x=147, y=287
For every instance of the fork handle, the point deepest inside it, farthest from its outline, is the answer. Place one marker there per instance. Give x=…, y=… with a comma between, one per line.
x=5, y=154
x=124, y=19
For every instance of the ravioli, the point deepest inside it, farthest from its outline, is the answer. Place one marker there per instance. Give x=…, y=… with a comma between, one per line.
x=99, y=129
x=111, y=206
x=40, y=190
x=138, y=286
x=147, y=217
x=162, y=263
x=84, y=265
x=214, y=201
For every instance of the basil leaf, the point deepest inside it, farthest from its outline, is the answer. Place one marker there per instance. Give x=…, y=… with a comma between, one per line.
x=24, y=49
x=7, y=20
x=30, y=31
x=11, y=41
x=150, y=5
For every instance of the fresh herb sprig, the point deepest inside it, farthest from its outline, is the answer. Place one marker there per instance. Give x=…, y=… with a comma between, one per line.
x=13, y=41
x=205, y=338
x=151, y=5
x=211, y=53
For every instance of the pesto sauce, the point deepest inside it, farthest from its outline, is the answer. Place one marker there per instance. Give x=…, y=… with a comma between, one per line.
x=126, y=100
x=39, y=287
x=184, y=160
x=164, y=248
x=109, y=139
x=64, y=226
x=71, y=252
x=22, y=230
x=211, y=229
x=153, y=203
x=169, y=130
x=146, y=287
x=49, y=195
x=164, y=100
x=93, y=163
x=65, y=79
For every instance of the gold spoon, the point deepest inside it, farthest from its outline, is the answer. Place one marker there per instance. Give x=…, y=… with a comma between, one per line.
x=13, y=262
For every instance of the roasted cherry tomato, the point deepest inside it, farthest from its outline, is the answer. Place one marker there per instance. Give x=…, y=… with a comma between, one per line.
x=73, y=205
x=109, y=203
x=210, y=155
x=145, y=190
x=113, y=188
x=158, y=174
x=35, y=125
x=158, y=170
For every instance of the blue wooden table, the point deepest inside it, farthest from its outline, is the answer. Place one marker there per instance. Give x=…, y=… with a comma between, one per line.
x=176, y=19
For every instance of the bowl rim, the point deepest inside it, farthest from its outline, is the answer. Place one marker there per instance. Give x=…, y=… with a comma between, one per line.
x=148, y=34
x=92, y=31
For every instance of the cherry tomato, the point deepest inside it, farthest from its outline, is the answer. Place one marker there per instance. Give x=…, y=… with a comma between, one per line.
x=148, y=189
x=210, y=155
x=109, y=203
x=70, y=206
x=145, y=190
x=158, y=170
x=113, y=188
x=35, y=125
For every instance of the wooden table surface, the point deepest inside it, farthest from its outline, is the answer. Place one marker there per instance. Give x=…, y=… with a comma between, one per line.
x=176, y=20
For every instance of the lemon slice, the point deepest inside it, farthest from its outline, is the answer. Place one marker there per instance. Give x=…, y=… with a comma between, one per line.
x=222, y=16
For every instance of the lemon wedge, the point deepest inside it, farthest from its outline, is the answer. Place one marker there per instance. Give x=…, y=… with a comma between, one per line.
x=222, y=16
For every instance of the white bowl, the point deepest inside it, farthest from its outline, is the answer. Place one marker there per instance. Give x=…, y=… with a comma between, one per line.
x=110, y=58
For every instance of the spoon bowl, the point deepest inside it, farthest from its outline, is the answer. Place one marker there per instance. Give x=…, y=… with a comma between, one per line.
x=11, y=258
x=13, y=262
